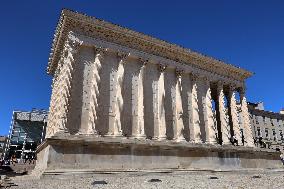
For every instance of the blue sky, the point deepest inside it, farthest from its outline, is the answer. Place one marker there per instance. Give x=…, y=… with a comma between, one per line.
x=249, y=34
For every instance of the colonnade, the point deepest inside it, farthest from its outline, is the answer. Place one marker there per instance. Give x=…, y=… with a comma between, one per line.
x=101, y=92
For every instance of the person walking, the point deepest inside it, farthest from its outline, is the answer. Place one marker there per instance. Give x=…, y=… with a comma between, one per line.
x=282, y=157
x=14, y=159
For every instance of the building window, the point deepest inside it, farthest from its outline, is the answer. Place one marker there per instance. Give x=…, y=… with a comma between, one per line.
x=281, y=134
x=271, y=120
x=266, y=133
x=274, y=134
x=263, y=117
x=278, y=122
x=258, y=131
x=256, y=120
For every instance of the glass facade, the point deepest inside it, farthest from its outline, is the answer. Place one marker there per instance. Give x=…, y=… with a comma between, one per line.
x=27, y=131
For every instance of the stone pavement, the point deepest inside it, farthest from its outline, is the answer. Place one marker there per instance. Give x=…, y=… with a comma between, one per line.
x=178, y=179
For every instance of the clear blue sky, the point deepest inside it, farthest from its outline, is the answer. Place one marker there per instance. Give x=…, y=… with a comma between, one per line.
x=249, y=34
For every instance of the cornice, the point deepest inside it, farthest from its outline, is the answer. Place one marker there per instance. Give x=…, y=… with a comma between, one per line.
x=273, y=115
x=92, y=27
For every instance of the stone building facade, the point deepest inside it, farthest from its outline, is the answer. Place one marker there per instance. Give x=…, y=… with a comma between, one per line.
x=121, y=91
x=267, y=125
x=123, y=100
x=2, y=145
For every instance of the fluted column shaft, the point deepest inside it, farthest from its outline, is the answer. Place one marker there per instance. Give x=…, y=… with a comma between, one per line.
x=93, y=118
x=225, y=129
x=92, y=66
x=195, y=133
x=87, y=62
x=247, y=128
x=210, y=131
x=138, y=130
x=94, y=91
x=116, y=98
x=159, y=108
x=178, y=126
x=60, y=98
x=234, y=114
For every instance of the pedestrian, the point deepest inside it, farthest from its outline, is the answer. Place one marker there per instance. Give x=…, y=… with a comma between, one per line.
x=282, y=157
x=14, y=159
x=26, y=158
x=236, y=142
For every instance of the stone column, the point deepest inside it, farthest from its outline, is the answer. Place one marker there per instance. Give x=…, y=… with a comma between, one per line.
x=95, y=83
x=159, y=108
x=116, y=99
x=210, y=137
x=247, y=128
x=91, y=81
x=178, y=126
x=138, y=103
x=195, y=133
x=225, y=129
x=234, y=114
x=187, y=104
x=87, y=59
x=61, y=88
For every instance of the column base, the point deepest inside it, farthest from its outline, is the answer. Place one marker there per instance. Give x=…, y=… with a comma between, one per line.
x=249, y=145
x=227, y=143
x=191, y=141
x=110, y=135
x=159, y=138
x=140, y=136
x=196, y=141
x=211, y=142
x=82, y=132
x=61, y=133
x=179, y=139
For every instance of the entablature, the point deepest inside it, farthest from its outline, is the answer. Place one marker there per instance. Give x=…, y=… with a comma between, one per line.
x=150, y=58
x=105, y=31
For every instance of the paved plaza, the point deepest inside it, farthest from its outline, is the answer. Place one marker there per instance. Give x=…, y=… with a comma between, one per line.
x=140, y=180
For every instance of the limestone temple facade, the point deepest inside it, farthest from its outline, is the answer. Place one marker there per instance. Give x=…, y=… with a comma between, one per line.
x=122, y=100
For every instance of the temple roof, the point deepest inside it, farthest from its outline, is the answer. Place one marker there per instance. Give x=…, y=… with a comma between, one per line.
x=96, y=28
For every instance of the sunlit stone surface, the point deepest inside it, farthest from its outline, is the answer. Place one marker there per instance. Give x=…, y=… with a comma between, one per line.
x=122, y=100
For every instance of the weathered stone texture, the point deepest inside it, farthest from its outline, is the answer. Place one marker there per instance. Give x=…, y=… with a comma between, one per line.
x=105, y=87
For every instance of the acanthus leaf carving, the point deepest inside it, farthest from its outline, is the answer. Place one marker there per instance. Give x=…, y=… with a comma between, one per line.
x=162, y=67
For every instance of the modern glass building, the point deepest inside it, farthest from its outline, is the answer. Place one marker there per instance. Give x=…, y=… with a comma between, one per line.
x=27, y=131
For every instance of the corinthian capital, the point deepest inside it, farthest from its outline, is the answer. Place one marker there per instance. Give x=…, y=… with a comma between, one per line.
x=194, y=77
x=205, y=78
x=143, y=61
x=220, y=85
x=162, y=67
x=242, y=91
x=100, y=51
x=232, y=89
x=73, y=44
x=122, y=56
x=179, y=72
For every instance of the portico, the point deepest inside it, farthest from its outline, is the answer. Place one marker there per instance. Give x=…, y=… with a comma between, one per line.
x=119, y=86
x=126, y=93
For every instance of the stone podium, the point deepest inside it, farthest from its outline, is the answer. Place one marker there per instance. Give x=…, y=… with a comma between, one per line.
x=124, y=101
